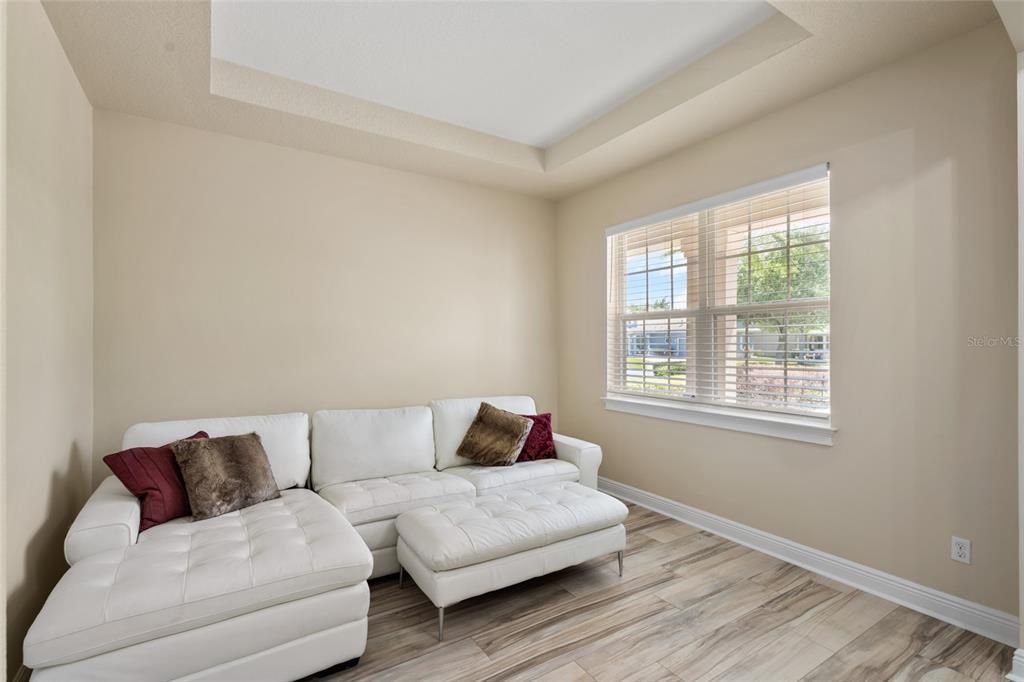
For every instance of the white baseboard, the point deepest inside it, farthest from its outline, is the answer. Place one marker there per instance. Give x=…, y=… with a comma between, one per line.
x=994, y=624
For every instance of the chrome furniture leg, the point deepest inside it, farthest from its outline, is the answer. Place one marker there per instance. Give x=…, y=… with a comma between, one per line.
x=620, y=563
x=440, y=623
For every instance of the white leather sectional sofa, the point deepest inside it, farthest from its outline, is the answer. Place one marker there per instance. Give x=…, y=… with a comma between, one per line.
x=276, y=591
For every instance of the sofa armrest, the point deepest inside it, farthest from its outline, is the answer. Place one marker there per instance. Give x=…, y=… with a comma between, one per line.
x=109, y=520
x=586, y=456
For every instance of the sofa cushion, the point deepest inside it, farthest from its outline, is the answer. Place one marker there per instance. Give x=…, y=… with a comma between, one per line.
x=385, y=498
x=453, y=417
x=538, y=472
x=353, y=445
x=285, y=438
x=182, y=575
x=457, y=534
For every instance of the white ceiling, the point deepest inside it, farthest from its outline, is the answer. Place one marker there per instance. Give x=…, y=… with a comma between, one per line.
x=531, y=72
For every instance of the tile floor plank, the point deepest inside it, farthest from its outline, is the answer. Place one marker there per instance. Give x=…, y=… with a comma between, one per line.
x=740, y=639
x=918, y=669
x=670, y=532
x=845, y=620
x=883, y=650
x=570, y=672
x=789, y=658
x=652, y=673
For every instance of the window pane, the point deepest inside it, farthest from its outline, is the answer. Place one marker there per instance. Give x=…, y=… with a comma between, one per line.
x=809, y=229
x=679, y=287
x=659, y=255
x=755, y=360
x=767, y=276
x=734, y=279
x=809, y=276
x=685, y=237
x=731, y=227
x=655, y=357
x=635, y=350
x=679, y=251
x=636, y=261
x=807, y=360
x=635, y=248
x=659, y=283
x=768, y=234
x=636, y=293
x=673, y=365
x=761, y=376
x=775, y=360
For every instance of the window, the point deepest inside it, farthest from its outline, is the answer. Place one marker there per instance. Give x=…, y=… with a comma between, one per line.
x=725, y=302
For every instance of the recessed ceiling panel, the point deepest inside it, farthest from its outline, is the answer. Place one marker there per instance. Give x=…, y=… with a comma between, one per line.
x=531, y=72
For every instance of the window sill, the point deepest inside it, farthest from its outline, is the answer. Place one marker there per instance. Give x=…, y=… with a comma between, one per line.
x=806, y=429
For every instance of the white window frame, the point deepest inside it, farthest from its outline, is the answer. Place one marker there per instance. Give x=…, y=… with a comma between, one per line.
x=810, y=429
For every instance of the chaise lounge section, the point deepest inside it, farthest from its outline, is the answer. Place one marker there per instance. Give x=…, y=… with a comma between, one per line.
x=274, y=591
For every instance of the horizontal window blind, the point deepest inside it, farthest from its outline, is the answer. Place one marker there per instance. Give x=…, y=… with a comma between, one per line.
x=726, y=302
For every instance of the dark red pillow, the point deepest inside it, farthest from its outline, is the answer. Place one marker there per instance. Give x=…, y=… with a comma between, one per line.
x=153, y=476
x=540, y=444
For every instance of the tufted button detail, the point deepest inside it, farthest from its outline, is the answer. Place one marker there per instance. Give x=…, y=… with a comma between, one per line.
x=456, y=534
x=539, y=472
x=376, y=499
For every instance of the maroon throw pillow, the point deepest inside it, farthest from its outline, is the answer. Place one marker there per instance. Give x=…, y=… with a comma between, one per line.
x=153, y=476
x=540, y=444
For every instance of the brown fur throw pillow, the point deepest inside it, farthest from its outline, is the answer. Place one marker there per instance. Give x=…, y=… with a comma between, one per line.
x=224, y=474
x=496, y=437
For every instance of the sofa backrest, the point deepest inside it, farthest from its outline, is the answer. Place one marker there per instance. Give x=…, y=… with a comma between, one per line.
x=285, y=437
x=452, y=418
x=354, y=445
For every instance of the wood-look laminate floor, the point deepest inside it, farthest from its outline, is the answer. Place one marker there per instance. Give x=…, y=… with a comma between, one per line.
x=691, y=606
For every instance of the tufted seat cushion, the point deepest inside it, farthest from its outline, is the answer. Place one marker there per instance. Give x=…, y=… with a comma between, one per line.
x=539, y=472
x=182, y=575
x=376, y=499
x=458, y=534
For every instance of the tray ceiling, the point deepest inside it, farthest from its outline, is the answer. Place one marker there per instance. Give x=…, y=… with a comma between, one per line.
x=530, y=72
x=544, y=98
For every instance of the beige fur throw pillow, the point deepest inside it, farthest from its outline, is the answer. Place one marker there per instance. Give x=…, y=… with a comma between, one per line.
x=225, y=474
x=496, y=437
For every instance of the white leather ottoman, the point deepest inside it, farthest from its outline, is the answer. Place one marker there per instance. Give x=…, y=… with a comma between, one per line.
x=464, y=549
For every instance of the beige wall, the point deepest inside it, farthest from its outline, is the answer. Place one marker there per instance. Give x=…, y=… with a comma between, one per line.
x=237, y=277
x=924, y=256
x=49, y=291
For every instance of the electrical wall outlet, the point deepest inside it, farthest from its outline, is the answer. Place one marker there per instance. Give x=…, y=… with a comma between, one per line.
x=960, y=550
